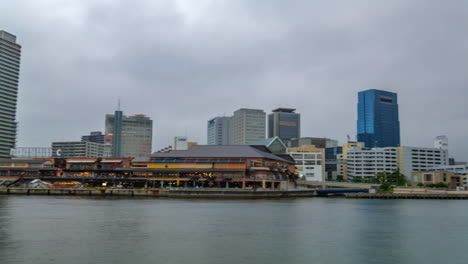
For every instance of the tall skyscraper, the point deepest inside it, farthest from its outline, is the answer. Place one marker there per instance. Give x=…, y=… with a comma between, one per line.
x=218, y=130
x=130, y=136
x=378, y=124
x=284, y=123
x=247, y=126
x=10, y=54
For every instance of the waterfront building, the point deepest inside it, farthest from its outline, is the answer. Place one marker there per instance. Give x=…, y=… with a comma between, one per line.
x=218, y=130
x=413, y=159
x=89, y=167
x=318, y=142
x=16, y=168
x=216, y=165
x=367, y=162
x=284, y=123
x=461, y=169
x=433, y=177
x=31, y=152
x=77, y=149
x=332, y=156
x=310, y=162
x=130, y=136
x=342, y=166
x=96, y=136
x=378, y=124
x=247, y=126
x=10, y=55
x=180, y=143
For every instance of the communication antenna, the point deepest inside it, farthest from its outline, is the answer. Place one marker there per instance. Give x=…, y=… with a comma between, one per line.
x=349, y=138
x=118, y=104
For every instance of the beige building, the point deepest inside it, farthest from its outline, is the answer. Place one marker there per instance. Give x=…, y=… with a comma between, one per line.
x=343, y=167
x=434, y=177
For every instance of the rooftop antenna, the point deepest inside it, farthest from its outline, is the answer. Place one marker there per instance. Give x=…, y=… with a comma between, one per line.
x=118, y=104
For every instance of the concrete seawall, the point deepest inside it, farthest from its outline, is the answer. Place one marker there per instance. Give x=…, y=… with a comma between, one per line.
x=441, y=196
x=178, y=193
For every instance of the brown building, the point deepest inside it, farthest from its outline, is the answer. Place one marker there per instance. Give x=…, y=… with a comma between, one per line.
x=434, y=177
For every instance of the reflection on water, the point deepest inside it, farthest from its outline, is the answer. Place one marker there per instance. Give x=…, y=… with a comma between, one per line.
x=96, y=230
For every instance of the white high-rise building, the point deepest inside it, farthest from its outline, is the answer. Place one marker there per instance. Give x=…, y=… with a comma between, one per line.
x=247, y=126
x=218, y=130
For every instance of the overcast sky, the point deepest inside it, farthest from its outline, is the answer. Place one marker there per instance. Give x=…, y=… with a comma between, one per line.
x=184, y=62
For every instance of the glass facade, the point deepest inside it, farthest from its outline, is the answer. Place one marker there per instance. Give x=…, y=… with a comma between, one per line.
x=218, y=131
x=10, y=54
x=131, y=136
x=284, y=123
x=378, y=124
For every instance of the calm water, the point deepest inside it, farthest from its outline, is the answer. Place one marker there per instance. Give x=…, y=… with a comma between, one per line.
x=318, y=230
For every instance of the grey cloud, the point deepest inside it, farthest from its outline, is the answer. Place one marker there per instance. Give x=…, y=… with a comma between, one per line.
x=182, y=66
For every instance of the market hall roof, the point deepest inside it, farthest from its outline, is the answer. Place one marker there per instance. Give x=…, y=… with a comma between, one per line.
x=221, y=151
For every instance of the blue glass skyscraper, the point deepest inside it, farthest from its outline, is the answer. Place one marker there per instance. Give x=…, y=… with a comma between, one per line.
x=378, y=124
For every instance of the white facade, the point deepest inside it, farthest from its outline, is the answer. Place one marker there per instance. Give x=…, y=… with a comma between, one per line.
x=366, y=162
x=180, y=143
x=309, y=165
x=218, y=130
x=419, y=159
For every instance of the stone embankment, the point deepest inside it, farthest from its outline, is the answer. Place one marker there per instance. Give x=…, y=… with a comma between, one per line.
x=174, y=193
x=413, y=193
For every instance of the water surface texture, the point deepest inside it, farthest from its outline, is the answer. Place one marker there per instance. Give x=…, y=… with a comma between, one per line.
x=317, y=230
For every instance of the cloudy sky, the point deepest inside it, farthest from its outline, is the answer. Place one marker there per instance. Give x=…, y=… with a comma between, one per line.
x=183, y=62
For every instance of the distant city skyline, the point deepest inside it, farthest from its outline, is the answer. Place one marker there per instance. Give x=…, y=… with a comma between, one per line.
x=184, y=64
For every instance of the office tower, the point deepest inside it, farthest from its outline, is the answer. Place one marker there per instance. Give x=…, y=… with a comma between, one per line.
x=10, y=54
x=378, y=124
x=130, y=136
x=77, y=149
x=331, y=162
x=247, y=126
x=284, y=123
x=218, y=130
x=96, y=136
